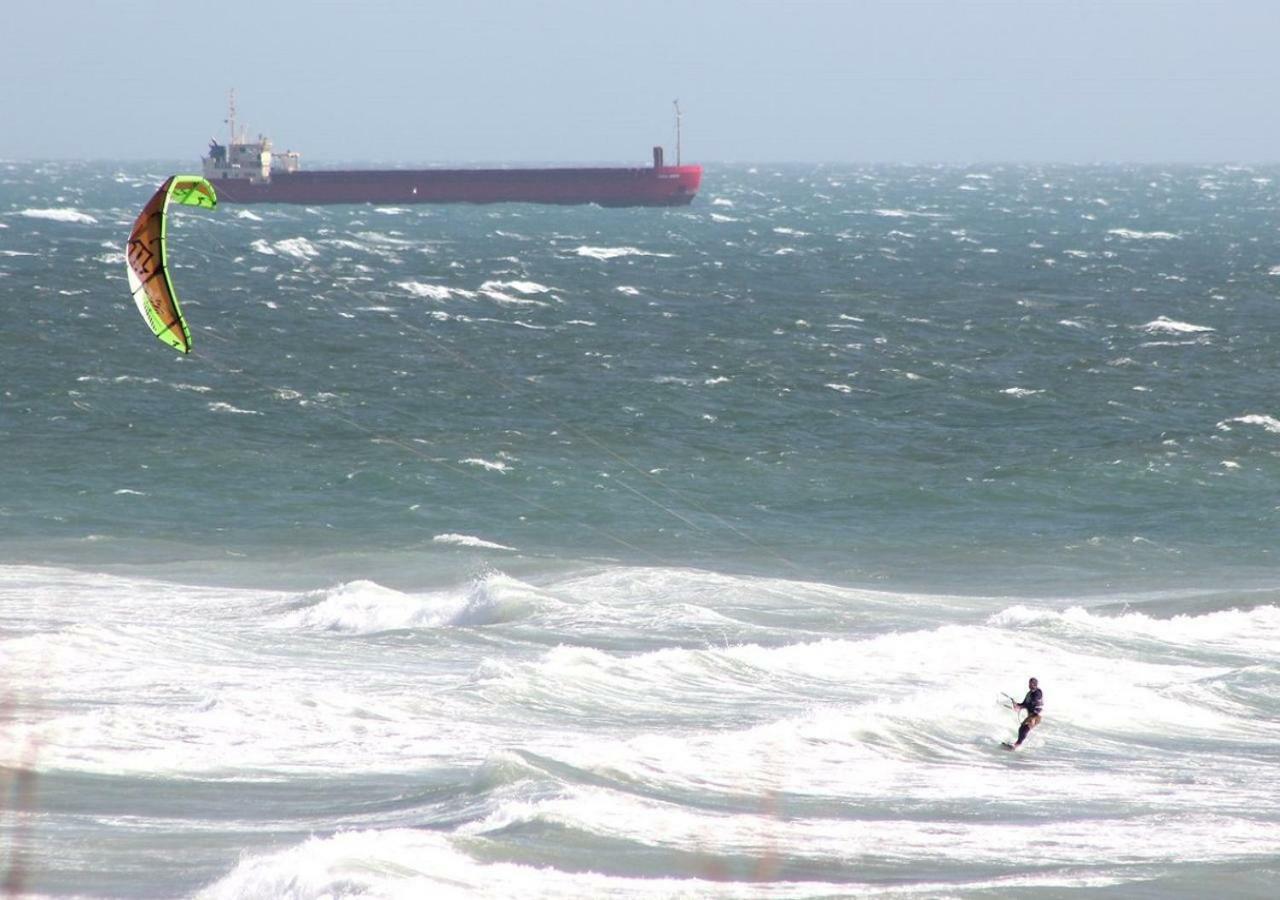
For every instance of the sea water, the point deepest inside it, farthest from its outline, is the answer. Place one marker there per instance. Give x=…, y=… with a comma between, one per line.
x=529, y=551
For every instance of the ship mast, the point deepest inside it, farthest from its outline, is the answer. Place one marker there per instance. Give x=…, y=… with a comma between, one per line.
x=676, y=103
x=231, y=115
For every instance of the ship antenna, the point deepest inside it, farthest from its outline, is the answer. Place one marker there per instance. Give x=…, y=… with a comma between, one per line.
x=676, y=103
x=231, y=116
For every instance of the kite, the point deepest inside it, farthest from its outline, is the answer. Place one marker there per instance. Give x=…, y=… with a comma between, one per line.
x=147, y=258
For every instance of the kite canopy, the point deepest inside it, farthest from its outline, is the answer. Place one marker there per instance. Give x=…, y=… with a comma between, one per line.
x=147, y=258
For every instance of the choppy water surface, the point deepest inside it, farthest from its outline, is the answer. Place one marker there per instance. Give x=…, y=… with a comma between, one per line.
x=529, y=551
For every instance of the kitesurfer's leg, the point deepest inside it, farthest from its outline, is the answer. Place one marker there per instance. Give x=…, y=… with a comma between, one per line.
x=1027, y=724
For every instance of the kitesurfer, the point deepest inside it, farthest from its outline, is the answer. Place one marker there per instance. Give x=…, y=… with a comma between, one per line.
x=1033, y=703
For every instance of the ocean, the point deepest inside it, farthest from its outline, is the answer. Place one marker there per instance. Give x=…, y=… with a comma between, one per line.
x=530, y=551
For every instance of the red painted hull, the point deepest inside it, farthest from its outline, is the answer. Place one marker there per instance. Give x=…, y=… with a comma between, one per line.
x=665, y=186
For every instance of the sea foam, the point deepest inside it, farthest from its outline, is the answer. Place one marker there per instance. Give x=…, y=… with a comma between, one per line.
x=61, y=214
x=1165, y=325
x=366, y=607
x=1131, y=234
x=1270, y=423
x=466, y=540
x=433, y=291
x=615, y=252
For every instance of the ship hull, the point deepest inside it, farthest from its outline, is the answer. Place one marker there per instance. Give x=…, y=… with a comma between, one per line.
x=650, y=186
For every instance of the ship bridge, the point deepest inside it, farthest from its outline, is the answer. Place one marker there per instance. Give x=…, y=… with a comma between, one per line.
x=251, y=161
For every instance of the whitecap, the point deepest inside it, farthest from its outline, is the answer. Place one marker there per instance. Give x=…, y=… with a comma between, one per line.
x=344, y=244
x=227, y=407
x=1133, y=235
x=246, y=214
x=467, y=540
x=1270, y=423
x=1021, y=392
x=135, y=379
x=905, y=214
x=520, y=287
x=517, y=323
x=364, y=607
x=485, y=464
x=298, y=248
x=433, y=291
x=487, y=289
x=375, y=237
x=1165, y=325
x=615, y=252
x=1224, y=626
x=497, y=290
x=61, y=214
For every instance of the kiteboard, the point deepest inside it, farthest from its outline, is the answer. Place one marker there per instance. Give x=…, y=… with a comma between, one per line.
x=1006, y=745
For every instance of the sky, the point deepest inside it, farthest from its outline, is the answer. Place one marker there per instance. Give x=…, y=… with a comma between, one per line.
x=416, y=81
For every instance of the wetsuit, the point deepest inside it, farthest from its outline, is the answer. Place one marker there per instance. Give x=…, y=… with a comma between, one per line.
x=1032, y=703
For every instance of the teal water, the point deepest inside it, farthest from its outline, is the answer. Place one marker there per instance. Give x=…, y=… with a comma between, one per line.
x=537, y=551
x=901, y=375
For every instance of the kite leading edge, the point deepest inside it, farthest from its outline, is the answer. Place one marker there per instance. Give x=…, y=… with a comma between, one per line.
x=147, y=258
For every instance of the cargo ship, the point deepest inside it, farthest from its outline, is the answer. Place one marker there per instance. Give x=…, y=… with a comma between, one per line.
x=249, y=171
